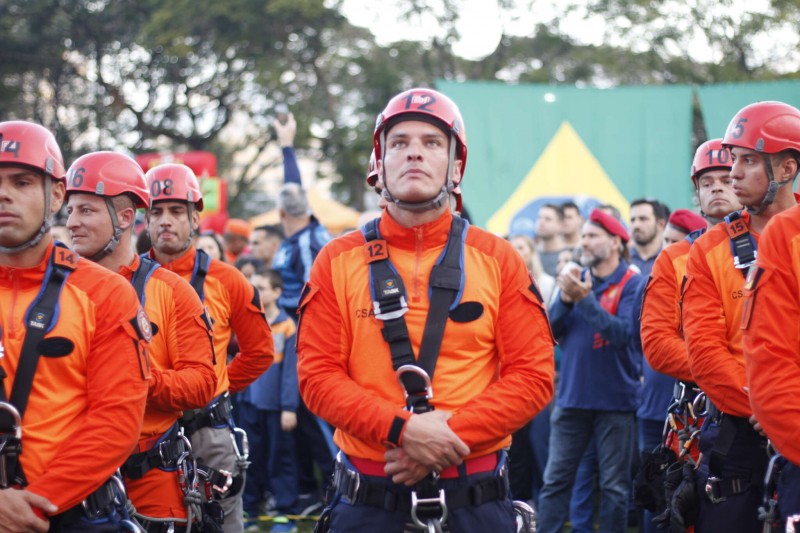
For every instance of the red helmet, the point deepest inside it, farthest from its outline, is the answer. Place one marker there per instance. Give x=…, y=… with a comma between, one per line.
x=767, y=127
x=174, y=182
x=31, y=145
x=711, y=155
x=372, y=171
x=423, y=104
x=108, y=174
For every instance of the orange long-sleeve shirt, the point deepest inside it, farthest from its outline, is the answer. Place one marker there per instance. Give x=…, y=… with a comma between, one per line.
x=662, y=339
x=772, y=333
x=181, y=351
x=494, y=373
x=234, y=306
x=712, y=313
x=85, y=409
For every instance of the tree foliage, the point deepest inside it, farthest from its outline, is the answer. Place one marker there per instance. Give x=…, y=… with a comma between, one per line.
x=201, y=74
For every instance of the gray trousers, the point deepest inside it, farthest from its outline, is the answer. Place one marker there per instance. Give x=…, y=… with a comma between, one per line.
x=213, y=447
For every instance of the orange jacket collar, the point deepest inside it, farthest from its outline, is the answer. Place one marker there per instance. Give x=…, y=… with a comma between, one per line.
x=434, y=233
x=27, y=276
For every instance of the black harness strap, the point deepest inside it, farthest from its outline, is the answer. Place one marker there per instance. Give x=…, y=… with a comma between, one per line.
x=202, y=262
x=145, y=269
x=390, y=305
x=39, y=319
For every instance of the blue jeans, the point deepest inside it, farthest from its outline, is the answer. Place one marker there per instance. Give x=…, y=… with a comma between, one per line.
x=570, y=433
x=581, y=505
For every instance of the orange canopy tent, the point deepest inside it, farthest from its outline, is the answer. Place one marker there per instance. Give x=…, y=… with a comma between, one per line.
x=334, y=215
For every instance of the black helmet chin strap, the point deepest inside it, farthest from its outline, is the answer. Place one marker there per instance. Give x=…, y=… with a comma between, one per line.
x=114, y=242
x=772, y=189
x=43, y=229
x=437, y=201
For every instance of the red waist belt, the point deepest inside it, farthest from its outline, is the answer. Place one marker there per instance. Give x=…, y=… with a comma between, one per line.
x=477, y=465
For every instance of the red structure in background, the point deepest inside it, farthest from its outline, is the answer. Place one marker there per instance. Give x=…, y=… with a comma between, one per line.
x=215, y=190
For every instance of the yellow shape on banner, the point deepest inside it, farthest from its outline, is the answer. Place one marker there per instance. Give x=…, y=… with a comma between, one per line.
x=565, y=168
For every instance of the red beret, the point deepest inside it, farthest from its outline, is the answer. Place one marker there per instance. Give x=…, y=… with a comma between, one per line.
x=686, y=221
x=609, y=223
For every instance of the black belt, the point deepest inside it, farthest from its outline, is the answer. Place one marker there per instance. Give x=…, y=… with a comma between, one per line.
x=217, y=413
x=360, y=490
x=164, y=454
x=108, y=501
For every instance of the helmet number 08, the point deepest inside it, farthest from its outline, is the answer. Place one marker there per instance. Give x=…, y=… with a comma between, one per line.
x=157, y=188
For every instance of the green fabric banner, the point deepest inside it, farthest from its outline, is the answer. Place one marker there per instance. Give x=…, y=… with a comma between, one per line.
x=541, y=141
x=719, y=103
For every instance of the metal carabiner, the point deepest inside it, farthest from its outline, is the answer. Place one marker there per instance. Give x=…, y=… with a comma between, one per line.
x=414, y=369
x=244, y=454
x=700, y=405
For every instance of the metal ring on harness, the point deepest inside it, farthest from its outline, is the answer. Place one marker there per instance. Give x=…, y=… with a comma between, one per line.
x=415, y=501
x=5, y=406
x=525, y=517
x=700, y=405
x=414, y=369
x=13, y=449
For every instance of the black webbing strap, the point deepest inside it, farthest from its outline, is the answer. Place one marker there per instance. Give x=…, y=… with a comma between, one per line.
x=743, y=245
x=39, y=319
x=390, y=305
x=202, y=262
x=143, y=272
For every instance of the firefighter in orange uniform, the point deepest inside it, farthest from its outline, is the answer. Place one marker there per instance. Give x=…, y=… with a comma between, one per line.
x=363, y=314
x=772, y=347
x=662, y=336
x=734, y=453
x=73, y=359
x=104, y=189
x=234, y=307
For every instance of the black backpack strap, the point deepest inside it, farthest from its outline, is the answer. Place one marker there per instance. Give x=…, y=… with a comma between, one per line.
x=146, y=268
x=202, y=262
x=743, y=245
x=39, y=319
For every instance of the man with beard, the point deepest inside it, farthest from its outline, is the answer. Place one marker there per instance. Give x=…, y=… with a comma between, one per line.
x=648, y=220
x=599, y=385
x=234, y=307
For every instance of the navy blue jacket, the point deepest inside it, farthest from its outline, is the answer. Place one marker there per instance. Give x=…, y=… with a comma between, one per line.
x=607, y=377
x=277, y=388
x=658, y=388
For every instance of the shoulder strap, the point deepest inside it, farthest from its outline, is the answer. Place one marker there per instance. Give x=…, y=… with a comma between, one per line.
x=40, y=318
x=146, y=268
x=202, y=262
x=390, y=306
x=693, y=236
x=610, y=298
x=743, y=245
